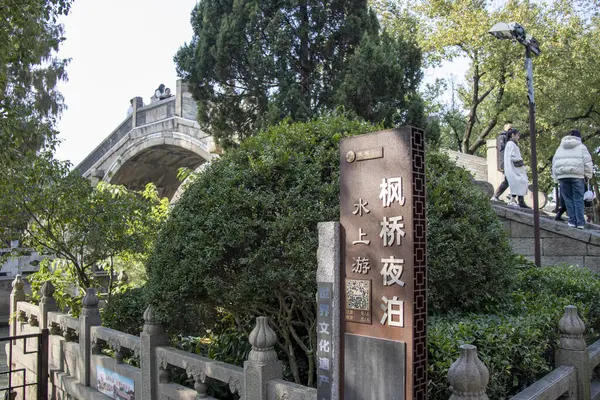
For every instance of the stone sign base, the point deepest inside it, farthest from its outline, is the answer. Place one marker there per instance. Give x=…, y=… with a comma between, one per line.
x=374, y=368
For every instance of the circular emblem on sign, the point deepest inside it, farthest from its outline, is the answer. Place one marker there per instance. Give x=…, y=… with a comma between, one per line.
x=350, y=156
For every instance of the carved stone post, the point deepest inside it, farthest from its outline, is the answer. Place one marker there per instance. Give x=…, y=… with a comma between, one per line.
x=468, y=376
x=262, y=364
x=90, y=316
x=572, y=350
x=17, y=294
x=151, y=337
x=47, y=303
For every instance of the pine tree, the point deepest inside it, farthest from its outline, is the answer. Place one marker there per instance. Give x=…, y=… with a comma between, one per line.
x=252, y=63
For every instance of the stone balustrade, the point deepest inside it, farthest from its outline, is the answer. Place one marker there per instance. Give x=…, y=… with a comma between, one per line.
x=76, y=360
x=469, y=377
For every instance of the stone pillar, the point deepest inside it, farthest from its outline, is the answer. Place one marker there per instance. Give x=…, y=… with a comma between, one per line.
x=151, y=337
x=90, y=316
x=17, y=294
x=180, y=88
x=138, y=102
x=468, y=376
x=495, y=177
x=262, y=364
x=328, y=326
x=47, y=303
x=572, y=350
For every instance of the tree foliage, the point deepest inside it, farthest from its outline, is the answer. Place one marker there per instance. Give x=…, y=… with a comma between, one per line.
x=62, y=215
x=243, y=237
x=30, y=36
x=494, y=88
x=253, y=63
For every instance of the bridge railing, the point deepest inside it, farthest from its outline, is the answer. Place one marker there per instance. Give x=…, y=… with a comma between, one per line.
x=81, y=369
x=572, y=378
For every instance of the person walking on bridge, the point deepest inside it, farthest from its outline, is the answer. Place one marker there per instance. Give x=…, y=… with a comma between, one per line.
x=571, y=164
x=514, y=168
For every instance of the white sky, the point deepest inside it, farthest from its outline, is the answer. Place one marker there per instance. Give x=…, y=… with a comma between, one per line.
x=121, y=49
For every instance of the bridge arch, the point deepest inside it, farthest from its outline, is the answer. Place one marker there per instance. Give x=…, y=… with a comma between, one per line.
x=157, y=158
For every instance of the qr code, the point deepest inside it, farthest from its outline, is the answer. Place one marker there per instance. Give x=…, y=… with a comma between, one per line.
x=358, y=294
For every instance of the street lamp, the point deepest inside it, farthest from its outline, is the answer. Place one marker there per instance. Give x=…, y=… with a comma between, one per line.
x=514, y=31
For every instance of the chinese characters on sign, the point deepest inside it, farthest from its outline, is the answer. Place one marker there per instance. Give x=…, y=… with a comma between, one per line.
x=324, y=340
x=358, y=292
x=382, y=213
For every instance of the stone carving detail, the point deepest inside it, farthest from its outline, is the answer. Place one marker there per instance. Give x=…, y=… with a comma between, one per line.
x=196, y=372
x=114, y=344
x=162, y=361
x=33, y=320
x=136, y=351
x=90, y=300
x=17, y=284
x=262, y=338
x=235, y=386
x=54, y=329
x=47, y=291
x=571, y=330
x=468, y=376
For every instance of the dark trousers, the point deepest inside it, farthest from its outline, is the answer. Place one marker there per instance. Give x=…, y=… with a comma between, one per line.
x=502, y=188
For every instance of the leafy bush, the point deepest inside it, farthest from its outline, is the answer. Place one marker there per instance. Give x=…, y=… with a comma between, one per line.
x=518, y=343
x=125, y=311
x=470, y=263
x=244, y=236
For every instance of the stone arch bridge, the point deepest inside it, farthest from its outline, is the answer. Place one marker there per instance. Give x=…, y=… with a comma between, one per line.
x=151, y=144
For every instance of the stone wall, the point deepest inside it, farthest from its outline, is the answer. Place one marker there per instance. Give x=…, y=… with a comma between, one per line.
x=560, y=244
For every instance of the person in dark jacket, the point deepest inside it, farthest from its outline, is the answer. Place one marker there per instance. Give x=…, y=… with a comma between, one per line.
x=500, y=145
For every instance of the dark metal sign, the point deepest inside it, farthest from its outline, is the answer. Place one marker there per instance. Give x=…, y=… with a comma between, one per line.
x=382, y=212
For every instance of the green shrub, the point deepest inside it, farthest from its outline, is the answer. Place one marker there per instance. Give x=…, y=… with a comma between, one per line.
x=470, y=263
x=125, y=311
x=244, y=236
x=518, y=343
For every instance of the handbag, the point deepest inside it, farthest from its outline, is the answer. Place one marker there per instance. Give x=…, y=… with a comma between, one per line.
x=518, y=163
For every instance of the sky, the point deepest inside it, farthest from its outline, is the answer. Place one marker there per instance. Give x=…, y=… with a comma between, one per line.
x=120, y=49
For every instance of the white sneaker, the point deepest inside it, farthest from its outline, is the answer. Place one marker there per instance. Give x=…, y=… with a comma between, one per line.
x=581, y=227
x=513, y=203
x=494, y=198
x=571, y=225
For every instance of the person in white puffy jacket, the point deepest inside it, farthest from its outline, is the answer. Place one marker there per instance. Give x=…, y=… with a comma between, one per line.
x=572, y=163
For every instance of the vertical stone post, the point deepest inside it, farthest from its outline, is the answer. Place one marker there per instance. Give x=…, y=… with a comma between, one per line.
x=328, y=326
x=47, y=303
x=572, y=350
x=262, y=364
x=151, y=337
x=138, y=102
x=17, y=294
x=90, y=316
x=494, y=176
x=468, y=376
x=180, y=89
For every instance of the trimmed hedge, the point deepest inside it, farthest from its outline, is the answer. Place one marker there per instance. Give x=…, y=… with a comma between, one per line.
x=518, y=343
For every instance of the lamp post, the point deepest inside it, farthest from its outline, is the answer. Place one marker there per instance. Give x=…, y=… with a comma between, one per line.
x=514, y=31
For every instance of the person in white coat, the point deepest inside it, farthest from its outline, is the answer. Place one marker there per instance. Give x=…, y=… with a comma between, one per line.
x=571, y=164
x=514, y=169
